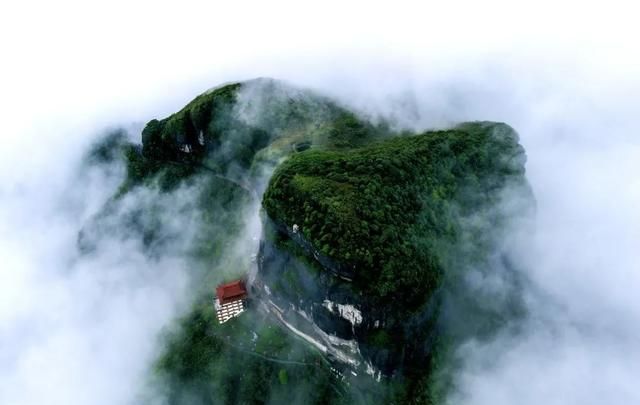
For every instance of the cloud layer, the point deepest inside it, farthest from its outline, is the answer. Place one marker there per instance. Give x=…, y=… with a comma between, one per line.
x=80, y=330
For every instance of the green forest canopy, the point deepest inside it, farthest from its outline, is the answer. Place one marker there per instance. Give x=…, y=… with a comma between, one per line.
x=385, y=207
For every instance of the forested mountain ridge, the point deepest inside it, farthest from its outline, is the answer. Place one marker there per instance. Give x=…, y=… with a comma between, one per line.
x=367, y=234
x=382, y=208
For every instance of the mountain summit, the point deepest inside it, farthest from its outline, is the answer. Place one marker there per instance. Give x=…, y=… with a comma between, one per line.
x=357, y=242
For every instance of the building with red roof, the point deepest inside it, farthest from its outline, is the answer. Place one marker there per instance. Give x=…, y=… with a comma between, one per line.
x=230, y=300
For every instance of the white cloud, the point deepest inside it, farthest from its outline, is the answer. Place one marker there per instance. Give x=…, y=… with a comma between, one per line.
x=566, y=76
x=81, y=328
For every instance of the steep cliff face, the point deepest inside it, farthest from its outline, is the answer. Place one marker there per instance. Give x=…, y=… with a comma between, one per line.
x=359, y=271
x=360, y=241
x=239, y=128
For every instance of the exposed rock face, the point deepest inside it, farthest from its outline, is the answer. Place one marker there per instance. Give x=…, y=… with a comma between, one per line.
x=314, y=300
x=374, y=298
x=323, y=304
x=369, y=237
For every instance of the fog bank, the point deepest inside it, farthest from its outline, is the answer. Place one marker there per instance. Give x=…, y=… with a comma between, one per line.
x=79, y=330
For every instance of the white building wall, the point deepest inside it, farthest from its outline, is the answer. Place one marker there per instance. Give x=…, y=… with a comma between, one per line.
x=229, y=310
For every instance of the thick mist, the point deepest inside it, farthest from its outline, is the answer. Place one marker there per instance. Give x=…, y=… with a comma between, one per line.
x=82, y=329
x=579, y=341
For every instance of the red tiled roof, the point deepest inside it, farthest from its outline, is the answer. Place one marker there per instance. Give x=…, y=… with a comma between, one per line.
x=231, y=292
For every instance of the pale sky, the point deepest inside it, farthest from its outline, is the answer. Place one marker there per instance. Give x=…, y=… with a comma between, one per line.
x=565, y=75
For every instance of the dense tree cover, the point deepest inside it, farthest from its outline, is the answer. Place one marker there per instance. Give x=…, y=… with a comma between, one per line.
x=242, y=126
x=387, y=208
x=392, y=211
x=407, y=349
x=209, y=363
x=161, y=139
x=199, y=364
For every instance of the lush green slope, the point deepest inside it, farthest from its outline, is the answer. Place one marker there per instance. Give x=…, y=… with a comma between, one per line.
x=234, y=133
x=244, y=361
x=385, y=206
x=241, y=126
x=389, y=208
